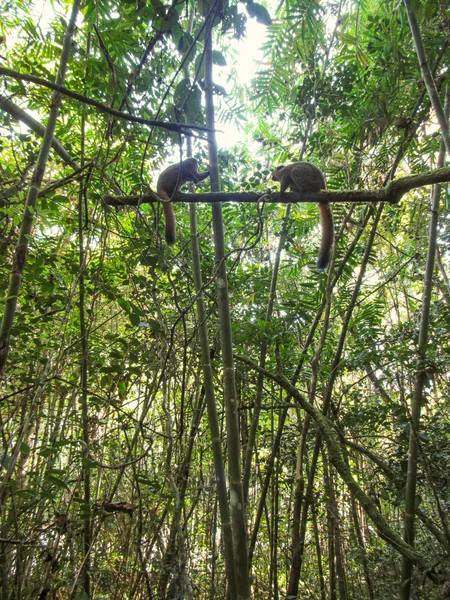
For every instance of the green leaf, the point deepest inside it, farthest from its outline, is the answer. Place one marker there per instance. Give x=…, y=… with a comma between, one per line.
x=60, y=198
x=199, y=66
x=134, y=319
x=5, y=461
x=218, y=58
x=169, y=21
x=124, y=304
x=57, y=481
x=46, y=451
x=25, y=448
x=260, y=13
x=219, y=90
x=182, y=92
x=193, y=109
x=183, y=41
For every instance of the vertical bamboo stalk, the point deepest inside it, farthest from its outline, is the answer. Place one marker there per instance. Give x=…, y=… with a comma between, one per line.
x=362, y=547
x=212, y=411
x=268, y=470
x=340, y=570
x=417, y=400
x=20, y=253
x=87, y=530
x=330, y=528
x=83, y=382
x=318, y=553
x=427, y=75
x=275, y=529
x=230, y=400
x=213, y=421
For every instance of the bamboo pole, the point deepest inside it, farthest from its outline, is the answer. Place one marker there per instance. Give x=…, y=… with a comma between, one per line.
x=20, y=254
x=417, y=399
x=230, y=397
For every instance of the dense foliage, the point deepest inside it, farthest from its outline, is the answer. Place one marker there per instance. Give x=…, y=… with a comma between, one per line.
x=108, y=482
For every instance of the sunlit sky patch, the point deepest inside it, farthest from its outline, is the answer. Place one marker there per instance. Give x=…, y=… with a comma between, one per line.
x=243, y=59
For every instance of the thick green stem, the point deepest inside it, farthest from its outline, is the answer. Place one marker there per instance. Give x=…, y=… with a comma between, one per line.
x=230, y=396
x=417, y=400
x=427, y=75
x=87, y=529
x=213, y=420
x=212, y=411
x=20, y=254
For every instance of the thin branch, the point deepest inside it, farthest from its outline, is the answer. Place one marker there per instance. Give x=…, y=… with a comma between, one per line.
x=328, y=433
x=17, y=113
x=21, y=542
x=16, y=188
x=178, y=127
x=51, y=186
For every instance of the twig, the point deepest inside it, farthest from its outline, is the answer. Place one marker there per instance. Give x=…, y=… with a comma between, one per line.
x=179, y=127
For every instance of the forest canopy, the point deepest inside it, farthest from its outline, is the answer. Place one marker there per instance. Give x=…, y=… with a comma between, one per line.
x=217, y=418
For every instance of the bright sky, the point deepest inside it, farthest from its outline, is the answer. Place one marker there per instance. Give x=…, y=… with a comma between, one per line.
x=246, y=52
x=248, y=57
